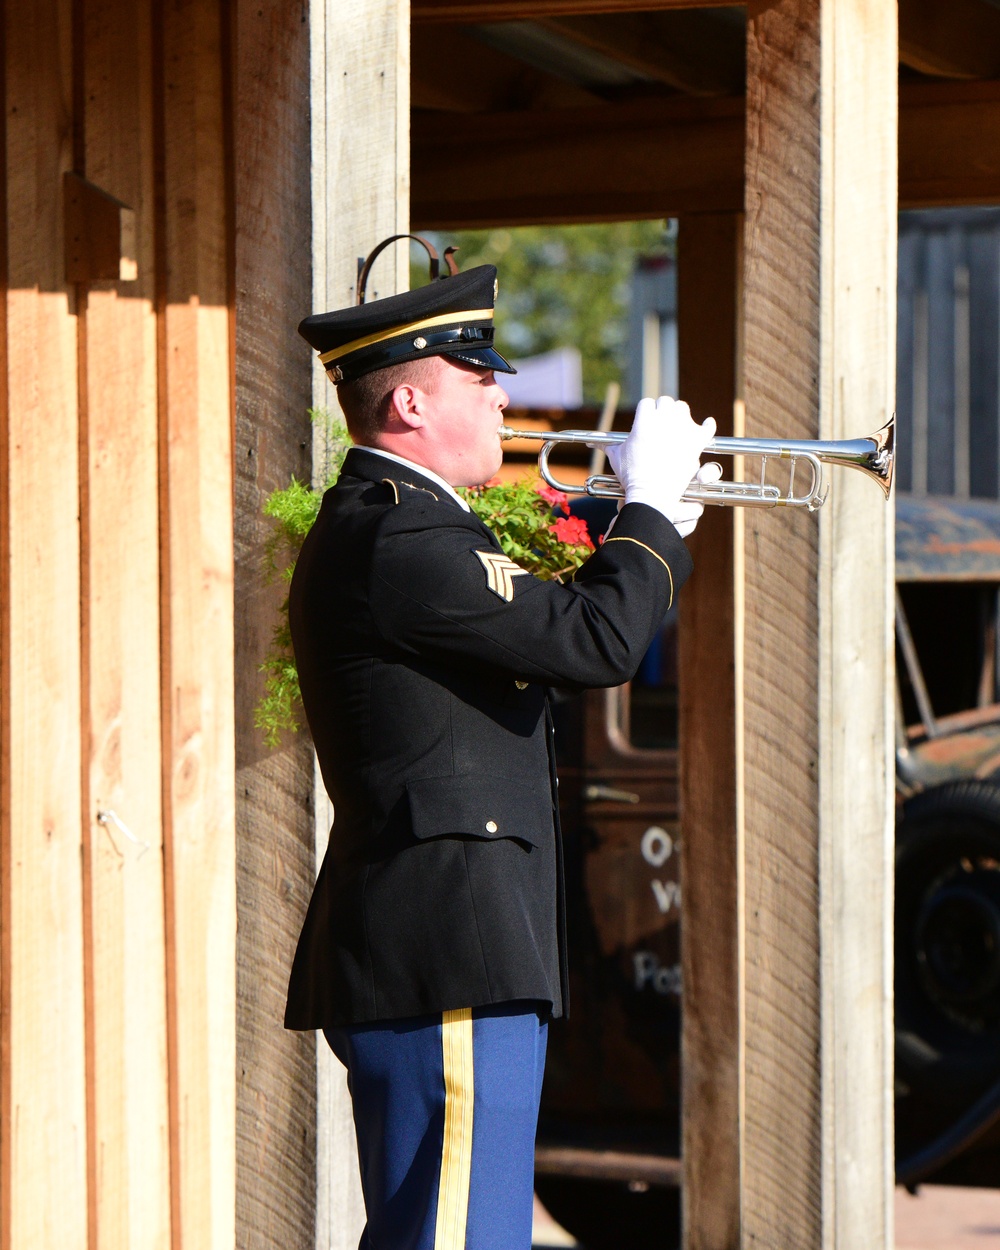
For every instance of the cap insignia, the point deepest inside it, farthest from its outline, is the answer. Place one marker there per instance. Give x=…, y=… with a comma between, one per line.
x=500, y=572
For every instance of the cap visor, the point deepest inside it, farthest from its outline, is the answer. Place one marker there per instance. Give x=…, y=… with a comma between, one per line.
x=482, y=358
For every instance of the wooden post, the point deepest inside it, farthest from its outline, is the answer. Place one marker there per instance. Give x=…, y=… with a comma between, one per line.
x=117, y=936
x=819, y=283
x=43, y=1141
x=708, y=257
x=276, y=1070
x=196, y=511
x=125, y=965
x=361, y=193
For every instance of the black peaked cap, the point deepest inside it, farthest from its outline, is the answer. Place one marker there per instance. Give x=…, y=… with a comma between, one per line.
x=451, y=316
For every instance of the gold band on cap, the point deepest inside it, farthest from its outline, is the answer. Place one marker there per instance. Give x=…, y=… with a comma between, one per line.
x=452, y=318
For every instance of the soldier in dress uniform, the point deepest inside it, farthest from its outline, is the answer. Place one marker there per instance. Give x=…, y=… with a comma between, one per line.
x=433, y=953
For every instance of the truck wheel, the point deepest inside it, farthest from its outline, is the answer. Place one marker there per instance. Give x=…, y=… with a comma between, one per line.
x=609, y=1215
x=947, y=957
x=948, y=913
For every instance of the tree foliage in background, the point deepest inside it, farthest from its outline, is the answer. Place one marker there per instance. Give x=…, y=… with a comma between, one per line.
x=561, y=286
x=294, y=511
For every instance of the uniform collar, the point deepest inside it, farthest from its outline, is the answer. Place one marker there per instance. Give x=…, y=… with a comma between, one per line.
x=414, y=474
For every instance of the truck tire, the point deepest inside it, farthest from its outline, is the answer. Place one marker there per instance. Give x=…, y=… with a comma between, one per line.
x=948, y=912
x=609, y=1215
x=947, y=958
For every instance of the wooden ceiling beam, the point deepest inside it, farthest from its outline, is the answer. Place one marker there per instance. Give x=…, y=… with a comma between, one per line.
x=949, y=144
x=477, y=11
x=451, y=71
x=623, y=161
x=960, y=39
x=663, y=158
x=689, y=51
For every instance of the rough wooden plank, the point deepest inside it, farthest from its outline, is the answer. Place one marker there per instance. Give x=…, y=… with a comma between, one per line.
x=360, y=195
x=276, y=1070
x=819, y=347
x=949, y=144
x=6, y=831
x=514, y=10
x=783, y=1130
x=856, y=706
x=197, y=610
x=708, y=282
x=653, y=157
x=453, y=71
x=43, y=1022
x=641, y=159
x=130, y=1176
x=688, y=51
x=959, y=41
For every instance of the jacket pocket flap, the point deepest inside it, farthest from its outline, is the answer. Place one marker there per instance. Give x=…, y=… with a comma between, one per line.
x=479, y=807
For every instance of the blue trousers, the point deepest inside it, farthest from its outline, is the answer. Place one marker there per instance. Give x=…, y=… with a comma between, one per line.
x=445, y=1110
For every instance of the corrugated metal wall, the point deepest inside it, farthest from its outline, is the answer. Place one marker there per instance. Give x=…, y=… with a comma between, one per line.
x=948, y=349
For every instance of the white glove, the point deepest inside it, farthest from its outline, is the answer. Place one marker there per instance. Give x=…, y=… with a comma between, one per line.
x=687, y=515
x=656, y=463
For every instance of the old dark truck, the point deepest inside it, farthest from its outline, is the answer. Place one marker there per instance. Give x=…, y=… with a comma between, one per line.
x=608, y=1163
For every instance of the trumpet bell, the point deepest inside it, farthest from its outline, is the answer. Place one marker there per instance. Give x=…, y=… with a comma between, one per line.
x=883, y=457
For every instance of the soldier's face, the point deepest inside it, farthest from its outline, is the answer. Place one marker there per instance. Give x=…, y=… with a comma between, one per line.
x=463, y=415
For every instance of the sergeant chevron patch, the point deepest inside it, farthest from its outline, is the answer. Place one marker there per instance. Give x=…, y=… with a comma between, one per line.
x=500, y=572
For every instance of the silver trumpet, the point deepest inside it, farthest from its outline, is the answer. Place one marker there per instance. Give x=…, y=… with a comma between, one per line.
x=872, y=455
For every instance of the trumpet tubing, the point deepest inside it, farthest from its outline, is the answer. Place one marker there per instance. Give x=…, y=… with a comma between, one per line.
x=873, y=455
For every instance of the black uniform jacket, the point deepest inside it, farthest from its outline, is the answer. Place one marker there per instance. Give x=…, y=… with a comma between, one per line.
x=425, y=659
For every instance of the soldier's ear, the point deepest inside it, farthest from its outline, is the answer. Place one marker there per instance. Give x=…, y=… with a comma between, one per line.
x=406, y=406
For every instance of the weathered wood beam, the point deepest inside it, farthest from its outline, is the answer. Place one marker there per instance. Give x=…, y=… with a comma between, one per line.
x=778, y=667
x=43, y=1129
x=686, y=52
x=120, y=638
x=960, y=39
x=360, y=79
x=815, y=667
x=708, y=265
x=949, y=144
x=634, y=160
x=667, y=157
x=528, y=10
x=450, y=70
x=276, y=1070
x=196, y=578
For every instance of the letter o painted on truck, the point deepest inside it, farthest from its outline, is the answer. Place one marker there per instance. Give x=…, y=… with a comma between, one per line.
x=657, y=846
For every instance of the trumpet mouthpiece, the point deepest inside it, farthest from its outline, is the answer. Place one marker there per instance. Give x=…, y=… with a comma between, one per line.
x=506, y=433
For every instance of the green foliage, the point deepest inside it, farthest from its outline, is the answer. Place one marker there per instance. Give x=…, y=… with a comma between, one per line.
x=294, y=510
x=561, y=286
x=519, y=513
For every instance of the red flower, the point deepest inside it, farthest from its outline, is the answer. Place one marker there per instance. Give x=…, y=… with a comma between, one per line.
x=494, y=481
x=571, y=530
x=555, y=497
